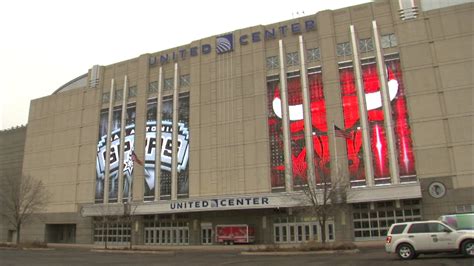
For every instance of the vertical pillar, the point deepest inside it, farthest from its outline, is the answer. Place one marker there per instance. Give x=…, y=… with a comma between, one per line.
x=137, y=186
x=174, y=155
x=158, y=136
x=308, y=127
x=122, y=139
x=387, y=108
x=285, y=121
x=108, y=142
x=364, y=124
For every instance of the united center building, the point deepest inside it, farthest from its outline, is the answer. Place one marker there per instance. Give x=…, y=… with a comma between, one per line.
x=221, y=130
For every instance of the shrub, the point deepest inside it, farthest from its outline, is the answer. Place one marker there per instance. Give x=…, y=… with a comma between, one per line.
x=7, y=245
x=310, y=246
x=343, y=246
x=34, y=244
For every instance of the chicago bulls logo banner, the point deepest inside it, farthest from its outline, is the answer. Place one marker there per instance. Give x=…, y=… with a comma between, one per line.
x=378, y=141
x=298, y=147
x=322, y=159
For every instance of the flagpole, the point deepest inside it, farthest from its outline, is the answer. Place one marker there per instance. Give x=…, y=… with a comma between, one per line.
x=336, y=163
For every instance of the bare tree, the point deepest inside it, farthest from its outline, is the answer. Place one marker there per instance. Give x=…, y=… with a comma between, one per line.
x=22, y=198
x=325, y=197
x=110, y=215
x=103, y=210
x=129, y=218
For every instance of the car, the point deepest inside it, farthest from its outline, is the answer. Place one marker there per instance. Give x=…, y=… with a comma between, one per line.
x=410, y=239
x=459, y=221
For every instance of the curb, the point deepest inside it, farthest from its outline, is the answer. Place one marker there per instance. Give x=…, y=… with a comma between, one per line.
x=133, y=251
x=38, y=249
x=285, y=253
x=15, y=248
x=7, y=248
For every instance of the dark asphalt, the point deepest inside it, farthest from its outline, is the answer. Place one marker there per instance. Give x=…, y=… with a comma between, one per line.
x=64, y=256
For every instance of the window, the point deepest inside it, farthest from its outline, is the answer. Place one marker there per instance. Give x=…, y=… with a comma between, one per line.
x=418, y=228
x=330, y=232
x=315, y=232
x=343, y=49
x=398, y=229
x=118, y=95
x=118, y=233
x=376, y=222
x=464, y=208
x=284, y=239
x=292, y=59
x=153, y=87
x=272, y=62
x=130, y=116
x=105, y=97
x=307, y=230
x=132, y=92
x=277, y=234
x=169, y=84
x=366, y=45
x=184, y=80
x=437, y=228
x=314, y=54
x=389, y=40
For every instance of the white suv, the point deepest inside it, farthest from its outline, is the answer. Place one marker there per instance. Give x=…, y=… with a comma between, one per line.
x=410, y=239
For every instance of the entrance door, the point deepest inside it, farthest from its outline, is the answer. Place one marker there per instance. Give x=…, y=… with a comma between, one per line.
x=11, y=236
x=206, y=235
x=61, y=233
x=300, y=232
x=149, y=236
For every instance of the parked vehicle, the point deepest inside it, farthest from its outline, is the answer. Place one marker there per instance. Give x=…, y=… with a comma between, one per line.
x=461, y=221
x=235, y=233
x=410, y=239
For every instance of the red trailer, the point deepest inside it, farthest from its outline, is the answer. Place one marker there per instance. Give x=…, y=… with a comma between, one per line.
x=229, y=234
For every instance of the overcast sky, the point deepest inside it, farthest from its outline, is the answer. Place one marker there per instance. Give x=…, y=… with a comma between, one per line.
x=46, y=43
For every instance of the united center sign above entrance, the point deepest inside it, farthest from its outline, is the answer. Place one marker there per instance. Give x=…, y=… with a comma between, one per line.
x=225, y=43
x=264, y=201
x=238, y=202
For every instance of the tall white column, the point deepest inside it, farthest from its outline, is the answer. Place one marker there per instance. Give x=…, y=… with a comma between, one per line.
x=122, y=139
x=387, y=108
x=308, y=127
x=108, y=142
x=158, y=136
x=364, y=124
x=174, y=143
x=285, y=121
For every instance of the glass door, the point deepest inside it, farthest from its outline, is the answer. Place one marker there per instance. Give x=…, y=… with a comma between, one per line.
x=206, y=235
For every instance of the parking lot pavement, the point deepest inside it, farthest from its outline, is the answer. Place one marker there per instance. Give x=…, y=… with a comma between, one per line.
x=76, y=256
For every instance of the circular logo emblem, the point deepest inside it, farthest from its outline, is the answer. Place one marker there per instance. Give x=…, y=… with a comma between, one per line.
x=437, y=190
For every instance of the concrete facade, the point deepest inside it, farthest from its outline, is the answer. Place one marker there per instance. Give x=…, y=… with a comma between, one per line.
x=229, y=156
x=12, y=144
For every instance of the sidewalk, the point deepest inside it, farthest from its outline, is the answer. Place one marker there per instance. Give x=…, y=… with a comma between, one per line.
x=370, y=244
x=242, y=248
x=163, y=248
